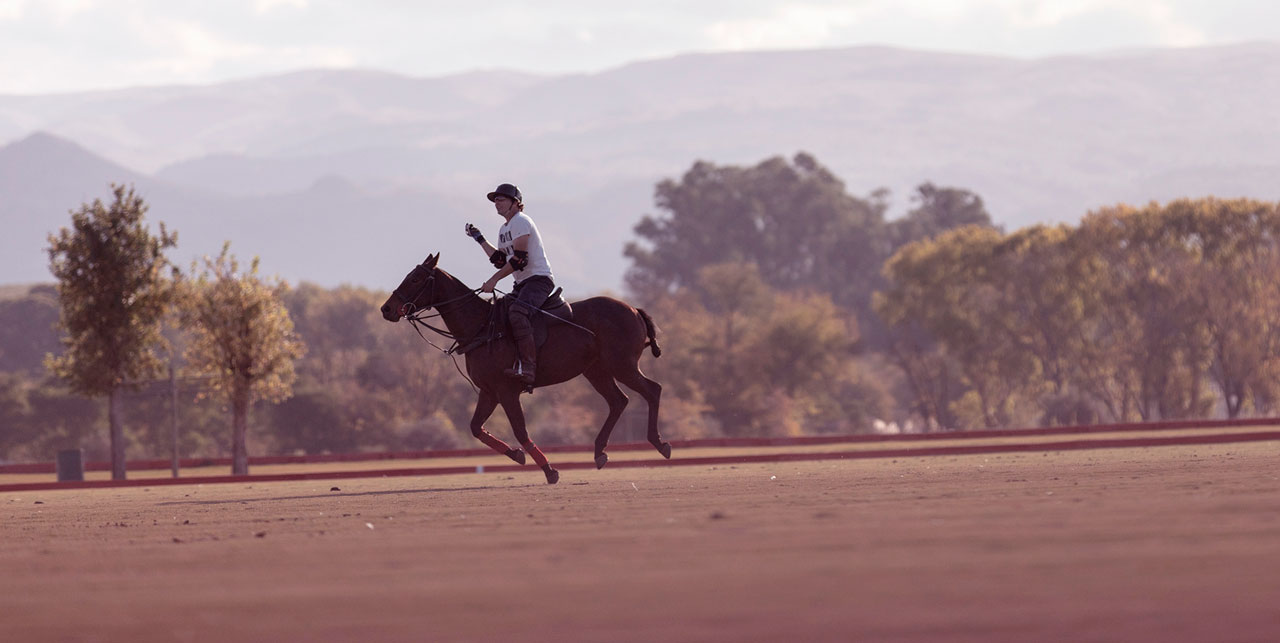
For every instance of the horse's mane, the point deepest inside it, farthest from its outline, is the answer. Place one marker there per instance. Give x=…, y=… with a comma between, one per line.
x=445, y=275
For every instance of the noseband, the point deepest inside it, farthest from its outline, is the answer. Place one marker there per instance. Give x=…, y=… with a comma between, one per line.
x=410, y=306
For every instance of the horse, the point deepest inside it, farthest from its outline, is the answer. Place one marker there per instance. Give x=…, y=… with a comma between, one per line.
x=603, y=343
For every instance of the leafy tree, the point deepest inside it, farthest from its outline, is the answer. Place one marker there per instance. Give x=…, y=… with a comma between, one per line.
x=338, y=326
x=756, y=360
x=37, y=421
x=937, y=211
x=241, y=336
x=953, y=288
x=794, y=220
x=28, y=330
x=113, y=296
x=1151, y=327
x=1238, y=245
x=1135, y=314
x=15, y=410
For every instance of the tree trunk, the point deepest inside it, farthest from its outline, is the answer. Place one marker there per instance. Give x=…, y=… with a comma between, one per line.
x=117, y=435
x=173, y=407
x=239, y=430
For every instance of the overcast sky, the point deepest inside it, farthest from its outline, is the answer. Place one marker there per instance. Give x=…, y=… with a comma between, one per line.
x=63, y=45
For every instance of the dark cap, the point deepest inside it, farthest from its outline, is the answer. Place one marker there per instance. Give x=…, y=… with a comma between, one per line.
x=507, y=190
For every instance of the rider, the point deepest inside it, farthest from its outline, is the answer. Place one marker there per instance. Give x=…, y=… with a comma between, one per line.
x=519, y=253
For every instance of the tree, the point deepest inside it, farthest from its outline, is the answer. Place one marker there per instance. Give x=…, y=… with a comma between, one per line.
x=949, y=292
x=113, y=296
x=757, y=361
x=1149, y=338
x=338, y=326
x=938, y=210
x=794, y=220
x=1239, y=249
x=28, y=330
x=242, y=337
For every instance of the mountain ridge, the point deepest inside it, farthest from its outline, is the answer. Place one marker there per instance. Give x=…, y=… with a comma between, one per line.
x=1041, y=140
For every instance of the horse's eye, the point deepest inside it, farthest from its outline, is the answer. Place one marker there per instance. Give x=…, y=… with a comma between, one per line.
x=414, y=279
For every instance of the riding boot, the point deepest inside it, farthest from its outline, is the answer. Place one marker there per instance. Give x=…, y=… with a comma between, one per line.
x=525, y=366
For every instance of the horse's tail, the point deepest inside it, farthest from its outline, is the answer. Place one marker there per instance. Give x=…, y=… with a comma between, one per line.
x=650, y=330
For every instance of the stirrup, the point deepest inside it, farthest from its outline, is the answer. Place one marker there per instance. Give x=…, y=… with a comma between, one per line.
x=517, y=371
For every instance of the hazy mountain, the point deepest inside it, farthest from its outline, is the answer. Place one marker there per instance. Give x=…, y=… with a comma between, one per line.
x=42, y=178
x=349, y=176
x=331, y=231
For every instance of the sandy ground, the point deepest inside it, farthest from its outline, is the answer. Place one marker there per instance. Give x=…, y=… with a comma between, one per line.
x=1147, y=544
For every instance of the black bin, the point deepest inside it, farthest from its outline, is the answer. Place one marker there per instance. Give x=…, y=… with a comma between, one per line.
x=70, y=465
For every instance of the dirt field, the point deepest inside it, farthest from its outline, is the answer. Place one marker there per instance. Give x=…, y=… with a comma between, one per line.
x=1147, y=544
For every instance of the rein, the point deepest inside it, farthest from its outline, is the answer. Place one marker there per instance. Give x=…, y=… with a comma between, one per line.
x=419, y=318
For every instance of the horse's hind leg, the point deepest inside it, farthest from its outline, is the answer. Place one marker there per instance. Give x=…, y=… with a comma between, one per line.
x=604, y=384
x=484, y=408
x=651, y=391
x=515, y=415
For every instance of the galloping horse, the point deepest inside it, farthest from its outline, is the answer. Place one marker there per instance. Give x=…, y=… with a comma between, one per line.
x=603, y=344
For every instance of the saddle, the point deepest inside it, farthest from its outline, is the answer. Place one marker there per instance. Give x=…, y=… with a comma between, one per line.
x=555, y=310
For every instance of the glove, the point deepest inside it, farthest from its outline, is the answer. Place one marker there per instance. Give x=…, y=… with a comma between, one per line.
x=474, y=233
x=498, y=259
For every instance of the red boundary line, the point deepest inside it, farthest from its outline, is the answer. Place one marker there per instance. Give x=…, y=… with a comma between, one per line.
x=186, y=463
x=1076, y=445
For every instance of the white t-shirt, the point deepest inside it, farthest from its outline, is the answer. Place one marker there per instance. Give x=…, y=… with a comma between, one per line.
x=519, y=226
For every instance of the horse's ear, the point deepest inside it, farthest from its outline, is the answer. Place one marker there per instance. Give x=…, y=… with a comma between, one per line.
x=430, y=261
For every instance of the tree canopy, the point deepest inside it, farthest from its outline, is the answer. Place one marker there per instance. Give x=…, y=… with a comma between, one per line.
x=242, y=337
x=1164, y=311
x=792, y=219
x=113, y=295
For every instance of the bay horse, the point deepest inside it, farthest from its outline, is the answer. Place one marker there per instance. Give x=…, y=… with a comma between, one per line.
x=604, y=344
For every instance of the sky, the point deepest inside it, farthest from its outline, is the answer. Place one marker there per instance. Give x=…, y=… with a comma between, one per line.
x=51, y=46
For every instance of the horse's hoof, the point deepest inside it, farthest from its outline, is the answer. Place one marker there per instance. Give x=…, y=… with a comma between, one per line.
x=553, y=476
x=602, y=459
x=665, y=450
x=516, y=454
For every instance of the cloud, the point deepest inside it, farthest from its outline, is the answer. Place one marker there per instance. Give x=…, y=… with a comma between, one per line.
x=12, y=9
x=60, y=11
x=54, y=45
x=789, y=26
x=264, y=6
x=1023, y=27
x=1174, y=30
x=1160, y=16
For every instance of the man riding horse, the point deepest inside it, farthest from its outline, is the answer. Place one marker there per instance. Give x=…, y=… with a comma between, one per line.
x=519, y=253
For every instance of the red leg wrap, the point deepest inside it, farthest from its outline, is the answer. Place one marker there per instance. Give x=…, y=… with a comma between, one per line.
x=493, y=443
x=535, y=453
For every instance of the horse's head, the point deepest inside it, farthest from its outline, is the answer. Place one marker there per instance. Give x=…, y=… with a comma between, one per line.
x=416, y=292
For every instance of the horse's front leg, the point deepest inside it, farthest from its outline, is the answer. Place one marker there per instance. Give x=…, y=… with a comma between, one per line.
x=484, y=408
x=515, y=415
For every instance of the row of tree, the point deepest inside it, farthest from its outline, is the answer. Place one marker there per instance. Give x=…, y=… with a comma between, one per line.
x=786, y=305
x=116, y=288
x=1165, y=311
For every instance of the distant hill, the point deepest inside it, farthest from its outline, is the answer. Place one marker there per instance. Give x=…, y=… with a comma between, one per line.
x=350, y=176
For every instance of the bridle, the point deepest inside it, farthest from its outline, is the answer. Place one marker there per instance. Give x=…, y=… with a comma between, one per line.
x=418, y=317
x=409, y=308
x=408, y=305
